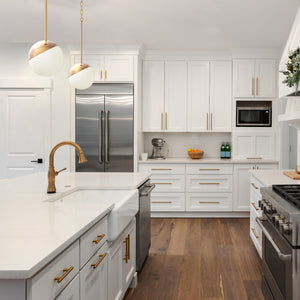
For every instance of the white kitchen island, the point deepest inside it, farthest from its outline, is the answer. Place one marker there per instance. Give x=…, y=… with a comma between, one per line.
x=37, y=229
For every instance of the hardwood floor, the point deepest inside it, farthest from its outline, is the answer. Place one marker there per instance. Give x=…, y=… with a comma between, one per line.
x=205, y=259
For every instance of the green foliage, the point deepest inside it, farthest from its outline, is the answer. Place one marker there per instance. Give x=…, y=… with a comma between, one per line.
x=292, y=71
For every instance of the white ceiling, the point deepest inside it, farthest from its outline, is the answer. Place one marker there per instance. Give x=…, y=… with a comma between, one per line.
x=158, y=24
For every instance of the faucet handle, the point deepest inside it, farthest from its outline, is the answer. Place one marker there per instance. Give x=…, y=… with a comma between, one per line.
x=57, y=172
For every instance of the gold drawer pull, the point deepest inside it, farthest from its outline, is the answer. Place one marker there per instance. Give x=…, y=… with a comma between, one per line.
x=161, y=182
x=253, y=230
x=253, y=204
x=102, y=256
x=101, y=74
x=66, y=273
x=100, y=237
x=254, y=186
x=128, y=239
x=161, y=169
x=209, y=202
x=105, y=74
x=126, y=250
x=254, y=157
x=209, y=169
x=161, y=201
x=215, y=183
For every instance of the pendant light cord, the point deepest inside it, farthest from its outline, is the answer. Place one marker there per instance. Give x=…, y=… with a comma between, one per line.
x=81, y=34
x=46, y=38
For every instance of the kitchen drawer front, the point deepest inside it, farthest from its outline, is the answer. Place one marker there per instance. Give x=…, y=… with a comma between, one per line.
x=168, y=202
x=53, y=278
x=92, y=240
x=209, y=202
x=162, y=168
x=208, y=169
x=209, y=183
x=255, y=231
x=254, y=199
x=168, y=183
x=71, y=292
x=255, y=184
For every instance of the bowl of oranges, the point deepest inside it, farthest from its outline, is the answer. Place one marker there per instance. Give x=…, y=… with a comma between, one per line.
x=195, y=154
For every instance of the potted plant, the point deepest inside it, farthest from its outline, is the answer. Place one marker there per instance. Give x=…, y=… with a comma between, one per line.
x=292, y=78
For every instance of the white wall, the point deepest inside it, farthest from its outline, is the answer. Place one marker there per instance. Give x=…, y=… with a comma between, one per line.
x=178, y=143
x=14, y=65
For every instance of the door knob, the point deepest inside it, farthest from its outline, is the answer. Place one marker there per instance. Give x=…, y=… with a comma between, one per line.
x=38, y=161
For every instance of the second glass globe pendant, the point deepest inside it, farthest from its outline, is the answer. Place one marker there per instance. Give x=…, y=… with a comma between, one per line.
x=81, y=76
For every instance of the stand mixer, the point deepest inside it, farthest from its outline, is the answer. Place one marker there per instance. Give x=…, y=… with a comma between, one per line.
x=158, y=144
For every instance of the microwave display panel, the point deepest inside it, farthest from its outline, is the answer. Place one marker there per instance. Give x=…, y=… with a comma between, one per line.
x=254, y=117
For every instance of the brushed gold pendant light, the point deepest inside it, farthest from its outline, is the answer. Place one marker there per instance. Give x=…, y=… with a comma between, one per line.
x=45, y=57
x=81, y=76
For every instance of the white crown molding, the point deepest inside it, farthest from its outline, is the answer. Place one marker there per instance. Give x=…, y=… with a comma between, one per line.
x=25, y=83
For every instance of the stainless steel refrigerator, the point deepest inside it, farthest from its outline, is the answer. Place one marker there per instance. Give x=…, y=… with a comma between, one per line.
x=104, y=127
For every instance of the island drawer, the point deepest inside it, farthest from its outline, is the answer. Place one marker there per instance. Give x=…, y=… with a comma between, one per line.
x=92, y=240
x=209, y=202
x=168, y=183
x=53, y=278
x=209, y=169
x=167, y=202
x=162, y=168
x=211, y=183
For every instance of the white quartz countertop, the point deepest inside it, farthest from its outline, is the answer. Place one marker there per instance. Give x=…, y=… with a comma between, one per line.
x=34, y=228
x=270, y=177
x=206, y=160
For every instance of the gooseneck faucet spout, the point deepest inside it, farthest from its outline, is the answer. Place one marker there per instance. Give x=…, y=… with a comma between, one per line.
x=52, y=173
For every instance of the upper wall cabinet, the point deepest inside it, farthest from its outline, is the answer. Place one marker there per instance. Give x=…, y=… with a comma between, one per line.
x=164, y=96
x=110, y=68
x=254, y=78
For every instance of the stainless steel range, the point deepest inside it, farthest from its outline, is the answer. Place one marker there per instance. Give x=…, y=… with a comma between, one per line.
x=280, y=224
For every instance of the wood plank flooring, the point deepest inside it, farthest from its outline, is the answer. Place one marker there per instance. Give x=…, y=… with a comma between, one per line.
x=200, y=259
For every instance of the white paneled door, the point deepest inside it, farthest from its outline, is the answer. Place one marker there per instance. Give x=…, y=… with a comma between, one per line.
x=25, y=131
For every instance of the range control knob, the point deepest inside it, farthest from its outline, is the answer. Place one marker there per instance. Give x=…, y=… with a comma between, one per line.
x=268, y=209
x=279, y=223
x=261, y=204
x=275, y=218
x=285, y=228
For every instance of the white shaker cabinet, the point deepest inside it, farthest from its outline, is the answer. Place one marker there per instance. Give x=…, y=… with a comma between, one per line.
x=254, y=78
x=220, y=95
x=198, y=96
x=71, y=292
x=153, y=95
x=175, y=96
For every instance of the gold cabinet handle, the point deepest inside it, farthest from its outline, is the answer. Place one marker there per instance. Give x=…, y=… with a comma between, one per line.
x=105, y=74
x=166, y=121
x=254, y=186
x=211, y=121
x=161, y=182
x=162, y=121
x=126, y=250
x=206, y=121
x=252, y=86
x=253, y=230
x=101, y=74
x=161, y=201
x=128, y=253
x=161, y=169
x=253, y=204
x=209, y=169
x=216, y=183
x=254, y=158
x=100, y=237
x=209, y=202
x=66, y=273
x=256, y=86
x=102, y=256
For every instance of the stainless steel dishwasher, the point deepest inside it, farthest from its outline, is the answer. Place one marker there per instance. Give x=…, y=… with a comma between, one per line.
x=143, y=224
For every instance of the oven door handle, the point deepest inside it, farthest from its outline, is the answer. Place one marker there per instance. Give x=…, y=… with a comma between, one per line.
x=284, y=257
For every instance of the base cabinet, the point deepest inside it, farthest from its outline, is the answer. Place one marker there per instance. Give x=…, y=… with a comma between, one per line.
x=122, y=263
x=71, y=292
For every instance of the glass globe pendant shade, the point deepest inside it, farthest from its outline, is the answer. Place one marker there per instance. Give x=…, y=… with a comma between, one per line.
x=45, y=58
x=81, y=76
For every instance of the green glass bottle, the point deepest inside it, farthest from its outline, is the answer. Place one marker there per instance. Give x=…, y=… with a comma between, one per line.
x=223, y=149
x=228, y=150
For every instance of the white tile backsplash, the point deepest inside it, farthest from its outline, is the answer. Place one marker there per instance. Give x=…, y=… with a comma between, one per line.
x=178, y=143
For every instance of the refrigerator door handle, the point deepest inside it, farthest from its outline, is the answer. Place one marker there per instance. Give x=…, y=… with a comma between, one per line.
x=107, y=136
x=100, y=154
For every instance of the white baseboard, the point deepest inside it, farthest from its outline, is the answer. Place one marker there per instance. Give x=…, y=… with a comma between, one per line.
x=200, y=214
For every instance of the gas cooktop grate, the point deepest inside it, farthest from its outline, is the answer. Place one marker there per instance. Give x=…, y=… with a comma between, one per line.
x=289, y=192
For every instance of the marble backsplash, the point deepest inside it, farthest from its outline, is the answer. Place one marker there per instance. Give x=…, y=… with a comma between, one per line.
x=178, y=143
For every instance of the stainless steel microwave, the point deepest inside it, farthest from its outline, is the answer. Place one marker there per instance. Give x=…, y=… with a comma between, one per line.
x=254, y=116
